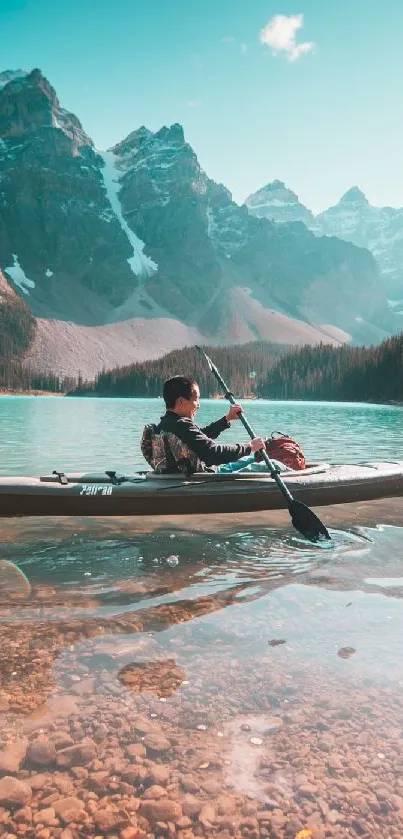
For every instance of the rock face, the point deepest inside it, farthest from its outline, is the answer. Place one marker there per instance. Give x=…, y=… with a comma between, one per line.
x=141, y=233
x=353, y=219
x=207, y=247
x=380, y=229
x=60, y=242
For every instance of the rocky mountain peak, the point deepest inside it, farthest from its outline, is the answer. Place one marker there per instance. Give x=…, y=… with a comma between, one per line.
x=133, y=142
x=278, y=203
x=354, y=196
x=172, y=135
x=28, y=104
x=144, y=148
x=9, y=75
x=274, y=191
x=142, y=234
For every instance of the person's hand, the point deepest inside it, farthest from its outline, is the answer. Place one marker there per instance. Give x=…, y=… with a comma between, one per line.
x=257, y=444
x=234, y=412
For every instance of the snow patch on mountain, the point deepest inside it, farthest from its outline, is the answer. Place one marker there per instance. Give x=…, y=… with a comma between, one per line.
x=19, y=277
x=139, y=262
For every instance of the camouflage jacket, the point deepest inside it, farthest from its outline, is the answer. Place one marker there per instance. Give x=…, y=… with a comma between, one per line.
x=177, y=444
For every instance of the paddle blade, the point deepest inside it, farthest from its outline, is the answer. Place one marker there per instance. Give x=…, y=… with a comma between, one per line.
x=307, y=522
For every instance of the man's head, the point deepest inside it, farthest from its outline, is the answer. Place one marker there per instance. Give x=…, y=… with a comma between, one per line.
x=182, y=395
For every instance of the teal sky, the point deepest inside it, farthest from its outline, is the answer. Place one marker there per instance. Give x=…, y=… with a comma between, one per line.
x=329, y=119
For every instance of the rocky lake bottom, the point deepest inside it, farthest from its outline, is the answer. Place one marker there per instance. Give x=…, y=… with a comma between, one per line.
x=186, y=683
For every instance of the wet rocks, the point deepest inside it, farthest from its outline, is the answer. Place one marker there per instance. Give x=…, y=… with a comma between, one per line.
x=41, y=752
x=70, y=809
x=13, y=756
x=136, y=750
x=155, y=792
x=346, y=652
x=207, y=815
x=158, y=774
x=14, y=792
x=156, y=743
x=161, y=811
x=108, y=819
x=45, y=816
x=78, y=755
x=191, y=805
x=160, y=677
x=118, y=762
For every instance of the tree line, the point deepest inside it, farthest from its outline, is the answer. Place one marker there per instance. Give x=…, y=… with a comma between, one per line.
x=17, y=326
x=345, y=373
x=15, y=377
x=270, y=371
x=258, y=369
x=17, y=331
x=241, y=367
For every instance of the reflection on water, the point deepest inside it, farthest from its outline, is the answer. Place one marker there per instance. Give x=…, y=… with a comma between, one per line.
x=253, y=689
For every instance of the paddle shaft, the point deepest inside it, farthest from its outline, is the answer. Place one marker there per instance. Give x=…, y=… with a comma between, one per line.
x=271, y=467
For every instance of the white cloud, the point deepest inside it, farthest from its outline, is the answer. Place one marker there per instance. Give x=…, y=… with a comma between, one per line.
x=244, y=49
x=228, y=39
x=194, y=103
x=280, y=35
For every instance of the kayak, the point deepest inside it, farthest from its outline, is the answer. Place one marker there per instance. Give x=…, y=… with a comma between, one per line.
x=146, y=493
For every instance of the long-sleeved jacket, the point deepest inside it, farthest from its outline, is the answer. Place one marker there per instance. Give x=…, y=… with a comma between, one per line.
x=201, y=441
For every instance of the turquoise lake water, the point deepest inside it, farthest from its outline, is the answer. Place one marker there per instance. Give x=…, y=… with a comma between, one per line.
x=38, y=434
x=260, y=674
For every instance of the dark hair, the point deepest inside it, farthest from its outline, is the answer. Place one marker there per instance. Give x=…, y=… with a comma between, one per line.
x=175, y=388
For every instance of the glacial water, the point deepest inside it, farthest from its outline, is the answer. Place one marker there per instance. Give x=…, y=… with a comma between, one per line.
x=199, y=676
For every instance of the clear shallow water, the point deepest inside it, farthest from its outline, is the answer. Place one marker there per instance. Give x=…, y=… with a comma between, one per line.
x=38, y=434
x=157, y=656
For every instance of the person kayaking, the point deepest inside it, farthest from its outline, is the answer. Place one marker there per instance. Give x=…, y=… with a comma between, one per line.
x=178, y=444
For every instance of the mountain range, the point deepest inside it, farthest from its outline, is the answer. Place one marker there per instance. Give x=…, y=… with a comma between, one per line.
x=353, y=219
x=125, y=254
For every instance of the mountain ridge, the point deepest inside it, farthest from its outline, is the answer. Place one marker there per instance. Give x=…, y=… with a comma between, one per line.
x=139, y=239
x=352, y=219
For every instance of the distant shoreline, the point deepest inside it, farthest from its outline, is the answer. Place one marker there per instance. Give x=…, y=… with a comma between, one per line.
x=30, y=393
x=392, y=402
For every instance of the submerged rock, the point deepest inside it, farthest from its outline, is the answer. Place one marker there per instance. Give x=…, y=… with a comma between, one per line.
x=13, y=792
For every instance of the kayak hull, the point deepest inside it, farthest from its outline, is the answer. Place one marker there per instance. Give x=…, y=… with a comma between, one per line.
x=81, y=494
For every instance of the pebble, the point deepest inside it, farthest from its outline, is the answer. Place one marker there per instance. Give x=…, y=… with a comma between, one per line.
x=107, y=819
x=161, y=811
x=45, y=816
x=156, y=743
x=207, y=815
x=70, y=809
x=13, y=756
x=155, y=792
x=41, y=752
x=14, y=792
x=98, y=760
x=79, y=755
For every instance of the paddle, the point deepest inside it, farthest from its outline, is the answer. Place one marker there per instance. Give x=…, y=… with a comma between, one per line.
x=302, y=517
